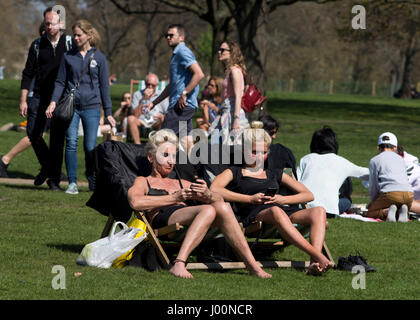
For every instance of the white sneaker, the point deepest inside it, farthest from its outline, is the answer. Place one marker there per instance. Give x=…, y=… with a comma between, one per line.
x=403, y=217
x=391, y=213
x=72, y=188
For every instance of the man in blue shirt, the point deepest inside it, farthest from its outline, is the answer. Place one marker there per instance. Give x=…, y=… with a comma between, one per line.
x=184, y=75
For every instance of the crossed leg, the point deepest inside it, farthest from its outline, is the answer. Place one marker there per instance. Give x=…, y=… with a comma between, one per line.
x=284, y=224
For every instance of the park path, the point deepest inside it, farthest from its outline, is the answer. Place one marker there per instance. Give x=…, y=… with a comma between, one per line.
x=19, y=181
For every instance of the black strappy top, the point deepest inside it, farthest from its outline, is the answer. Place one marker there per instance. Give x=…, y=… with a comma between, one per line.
x=158, y=192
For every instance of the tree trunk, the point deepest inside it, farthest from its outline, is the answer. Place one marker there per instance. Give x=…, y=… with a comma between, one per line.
x=408, y=67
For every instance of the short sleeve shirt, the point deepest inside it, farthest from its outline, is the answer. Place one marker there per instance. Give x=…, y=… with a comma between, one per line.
x=180, y=76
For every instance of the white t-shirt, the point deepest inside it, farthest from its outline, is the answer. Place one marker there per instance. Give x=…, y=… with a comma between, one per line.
x=323, y=175
x=413, y=172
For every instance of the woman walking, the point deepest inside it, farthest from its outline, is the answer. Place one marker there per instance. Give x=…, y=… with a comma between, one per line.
x=232, y=115
x=92, y=92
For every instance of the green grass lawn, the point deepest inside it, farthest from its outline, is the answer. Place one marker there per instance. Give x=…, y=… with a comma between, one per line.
x=41, y=229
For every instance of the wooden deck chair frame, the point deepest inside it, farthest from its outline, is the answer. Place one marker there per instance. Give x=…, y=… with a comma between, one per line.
x=253, y=228
x=153, y=237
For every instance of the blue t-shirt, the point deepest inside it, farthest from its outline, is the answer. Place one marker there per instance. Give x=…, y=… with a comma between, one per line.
x=180, y=76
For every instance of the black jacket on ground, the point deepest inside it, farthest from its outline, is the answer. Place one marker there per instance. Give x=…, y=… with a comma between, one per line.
x=118, y=165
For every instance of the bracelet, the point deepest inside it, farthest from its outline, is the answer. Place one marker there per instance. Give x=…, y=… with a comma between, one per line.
x=179, y=260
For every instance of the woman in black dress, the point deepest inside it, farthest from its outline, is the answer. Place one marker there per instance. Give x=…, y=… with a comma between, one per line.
x=247, y=186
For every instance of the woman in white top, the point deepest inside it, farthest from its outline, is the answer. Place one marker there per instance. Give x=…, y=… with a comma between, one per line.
x=323, y=171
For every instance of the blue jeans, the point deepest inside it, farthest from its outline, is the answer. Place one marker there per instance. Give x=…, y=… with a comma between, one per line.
x=90, y=122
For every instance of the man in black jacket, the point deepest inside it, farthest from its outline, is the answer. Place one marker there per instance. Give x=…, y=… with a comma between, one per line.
x=43, y=61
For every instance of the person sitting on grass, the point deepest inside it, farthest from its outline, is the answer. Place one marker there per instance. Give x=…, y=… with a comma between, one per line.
x=247, y=187
x=164, y=201
x=389, y=187
x=323, y=172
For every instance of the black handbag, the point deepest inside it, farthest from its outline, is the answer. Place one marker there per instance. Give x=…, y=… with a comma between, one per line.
x=64, y=110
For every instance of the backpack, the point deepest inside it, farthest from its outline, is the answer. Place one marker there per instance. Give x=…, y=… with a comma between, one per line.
x=69, y=45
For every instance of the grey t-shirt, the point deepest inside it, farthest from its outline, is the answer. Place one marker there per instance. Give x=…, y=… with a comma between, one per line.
x=387, y=174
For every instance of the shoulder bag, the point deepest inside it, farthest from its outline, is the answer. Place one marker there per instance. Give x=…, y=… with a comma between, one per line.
x=65, y=107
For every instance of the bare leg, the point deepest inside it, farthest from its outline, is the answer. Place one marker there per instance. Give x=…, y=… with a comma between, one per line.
x=415, y=206
x=133, y=126
x=19, y=147
x=226, y=221
x=287, y=230
x=199, y=219
x=316, y=219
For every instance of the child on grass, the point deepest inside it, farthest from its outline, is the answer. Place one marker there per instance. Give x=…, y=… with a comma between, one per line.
x=389, y=188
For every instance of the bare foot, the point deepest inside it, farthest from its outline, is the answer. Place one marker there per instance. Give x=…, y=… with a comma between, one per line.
x=323, y=263
x=314, y=269
x=260, y=273
x=179, y=270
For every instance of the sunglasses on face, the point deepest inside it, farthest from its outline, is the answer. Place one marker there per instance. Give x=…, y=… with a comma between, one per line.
x=169, y=35
x=221, y=50
x=150, y=84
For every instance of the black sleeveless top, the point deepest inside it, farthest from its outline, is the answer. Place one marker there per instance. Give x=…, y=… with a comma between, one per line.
x=247, y=212
x=158, y=192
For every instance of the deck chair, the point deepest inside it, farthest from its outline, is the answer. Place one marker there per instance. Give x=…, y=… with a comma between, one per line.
x=162, y=247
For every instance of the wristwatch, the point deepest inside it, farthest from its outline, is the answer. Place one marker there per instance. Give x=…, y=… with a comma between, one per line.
x=235, y=117
x=184, y=93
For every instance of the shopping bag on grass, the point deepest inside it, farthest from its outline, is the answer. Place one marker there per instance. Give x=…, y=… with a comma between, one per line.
x=122, y=260
x=102, y=253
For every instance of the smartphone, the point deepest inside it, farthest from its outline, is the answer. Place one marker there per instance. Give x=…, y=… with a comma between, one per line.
x=270, y=192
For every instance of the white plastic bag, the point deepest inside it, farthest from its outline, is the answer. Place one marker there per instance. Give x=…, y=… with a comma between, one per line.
x=102, y=253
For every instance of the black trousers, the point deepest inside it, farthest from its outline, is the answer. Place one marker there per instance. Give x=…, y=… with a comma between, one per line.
x=49, y=157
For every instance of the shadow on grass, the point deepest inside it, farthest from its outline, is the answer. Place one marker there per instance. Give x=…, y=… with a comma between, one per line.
x=26, y=187
x=19, y=175
x=344, y=110
x=75, y=248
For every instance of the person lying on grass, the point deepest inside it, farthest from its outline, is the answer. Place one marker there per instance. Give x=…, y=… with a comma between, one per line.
x=247, y=187
x=163, y=199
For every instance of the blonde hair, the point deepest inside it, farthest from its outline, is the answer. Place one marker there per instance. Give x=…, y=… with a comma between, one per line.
x=87, y=28
x=255, y=133
x=217, y=98
x=156, y=138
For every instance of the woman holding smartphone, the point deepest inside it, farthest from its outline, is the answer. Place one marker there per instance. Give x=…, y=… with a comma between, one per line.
x=249, y=189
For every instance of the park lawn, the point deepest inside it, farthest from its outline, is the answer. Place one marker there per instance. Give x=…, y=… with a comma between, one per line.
x=41, y=229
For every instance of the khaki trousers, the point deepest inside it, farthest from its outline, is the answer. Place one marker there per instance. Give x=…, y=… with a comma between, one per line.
x=379, y=207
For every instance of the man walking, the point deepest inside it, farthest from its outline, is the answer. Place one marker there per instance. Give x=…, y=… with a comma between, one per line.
x=43, y=61
x=184, y=75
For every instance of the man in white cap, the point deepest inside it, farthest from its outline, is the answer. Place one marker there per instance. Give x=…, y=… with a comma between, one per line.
x=389, y=188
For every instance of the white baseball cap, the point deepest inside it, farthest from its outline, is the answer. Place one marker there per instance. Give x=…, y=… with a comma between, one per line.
x=388, y=138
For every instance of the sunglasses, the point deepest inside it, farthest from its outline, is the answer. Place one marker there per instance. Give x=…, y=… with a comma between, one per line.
x=169, y=35
x=150, y=84
x=221, y=50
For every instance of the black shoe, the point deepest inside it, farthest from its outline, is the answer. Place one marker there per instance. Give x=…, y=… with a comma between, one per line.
x=40, y=178
x=359, y=260
x=92, y=182
x=3, y=168
x=345, y=264
x=54, y=186
x=63, y=177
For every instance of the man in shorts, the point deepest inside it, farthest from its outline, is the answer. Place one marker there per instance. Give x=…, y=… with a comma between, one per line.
x=184, y=75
